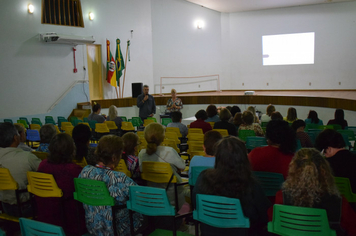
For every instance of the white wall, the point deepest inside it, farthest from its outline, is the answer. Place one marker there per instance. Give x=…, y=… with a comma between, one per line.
x=335, y=51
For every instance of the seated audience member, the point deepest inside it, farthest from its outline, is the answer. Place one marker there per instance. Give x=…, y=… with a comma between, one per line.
x=95, y=115
x=22, y=133
x=176, y=122
x=99, y=218
x=225, y=115
x=212, y=113
x=131, y=142
x=291, y=115
x=341, y=160
x=253, y=111
x=234, y=110
x=247, y=118
x=60, y=164
x=339, y=119
x=299, y=126
x=310, y=184
x=200, y=122
x=232, y=177
x=276, y=116
x=281, y=140
x=238, y=120
x=81, y=136
x=154, y=135
x=47, y=132
x=113, y=116
x=18, y=162
x=313, y=118
x=210, y=139
x=269, y=110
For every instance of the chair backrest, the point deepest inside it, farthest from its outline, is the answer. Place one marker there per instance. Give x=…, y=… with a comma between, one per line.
x=270, y=182
x=311, y=126
x=195, y=130
x=158, y=172
x=221, y=212
x=37, y=228
x=43, y=185
x=254, y=141
x=166, y=121
x=353, y=128
x=25, y=119
x=35, y=126
x=36, y=122
x=172, y=136
x=85, y=119
x=195, y=172
x=211, y=124
x=343, y=184
x=92, y=124
x=123, y=118
x=123, y=168
x=138, y=119
x=76, y=122
x=174, y=129
x=60, y=120
x=195, y=137
x=65, y=124
x=33, y=135
x=325, y=127
x=127, y=126
x=264, y=124
x=101, y=128
x=111, y=124
x=336, y=126
x=152, y=118
x=294, y=220
x=140, y=134
x=41, y=155
x=196, y=153
x=149, y=201
x=346, y=140
x=92, y=192
x=350, y=133
x=23, y=122
x=68, y=129
x=50, y=121
x=147, y=122
x=170, y=143
x=8, y=120
x=243, y=134
x=7, y=182
x=223, y=132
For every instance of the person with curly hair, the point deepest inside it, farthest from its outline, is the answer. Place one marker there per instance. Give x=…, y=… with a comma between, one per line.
x=248, y=123
x=232, y=177
x=310, y=183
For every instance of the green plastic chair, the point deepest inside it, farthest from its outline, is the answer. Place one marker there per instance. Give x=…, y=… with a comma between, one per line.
x=350, y=133
x=218, y=211
x=264, y=124
x=76, y=122
x=34, y=228
x=135, y=122
x=73, y=119
x=152, y=118
x=303, y=221
x=343, y=184
x=312, y=136
x=23, y=122
x=346, y=140
x=195, y=172
x=270, y=182
x=138, y=119
x=8, y=120
x=24, y=118
x=60, y=120
x=92, y=124
x=254, y=141
x=36, y=121
x=152, y=202
x=353, y=128
x=49, y=120
x=85, y=119
x=243, y=134
x=311, y=126
x=322, y=127
x=166, y=121
x=336, y=126
x=123, y=118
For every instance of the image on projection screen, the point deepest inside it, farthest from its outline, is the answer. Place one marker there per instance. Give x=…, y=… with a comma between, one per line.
x=288, y=49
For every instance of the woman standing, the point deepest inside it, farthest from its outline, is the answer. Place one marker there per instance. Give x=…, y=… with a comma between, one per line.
x=174, y=103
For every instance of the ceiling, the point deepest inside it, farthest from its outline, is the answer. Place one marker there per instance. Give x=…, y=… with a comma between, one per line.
x=228, y=6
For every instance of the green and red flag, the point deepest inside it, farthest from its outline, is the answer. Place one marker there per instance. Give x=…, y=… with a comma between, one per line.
x=110, y=66
x=120, y=65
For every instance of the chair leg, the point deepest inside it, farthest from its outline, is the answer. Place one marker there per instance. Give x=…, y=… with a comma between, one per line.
x=174, y=227
x=131, y=223
x=196, y=228
x=114, y=220
x=176, y=197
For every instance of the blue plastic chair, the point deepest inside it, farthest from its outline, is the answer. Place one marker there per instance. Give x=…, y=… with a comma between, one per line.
x=218, y=211
x=195, y=172
x=270, y=182
x=32, y=135
x=253, y=142
x=36, y=228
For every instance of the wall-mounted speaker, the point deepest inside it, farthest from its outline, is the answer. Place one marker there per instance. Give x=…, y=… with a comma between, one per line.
x=136, y=89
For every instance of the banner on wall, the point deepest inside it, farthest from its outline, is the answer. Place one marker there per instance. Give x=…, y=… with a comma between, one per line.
x=110, y=66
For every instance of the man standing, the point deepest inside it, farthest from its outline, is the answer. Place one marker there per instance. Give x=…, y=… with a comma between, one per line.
x=146, y=103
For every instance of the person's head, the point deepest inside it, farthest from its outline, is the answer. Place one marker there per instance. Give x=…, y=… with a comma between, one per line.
x=329, y=139
x=238, y=119
x=109, y=150
x=201, y=114
x=298, y=125
x=309, y=178
x=339, y=114
x=112, y=112
x=225, y=114
x=229, y=108
x=146, y=89
x=270, y=109
x=22, y=132
x=81, y=136
x=61, y=149
x=96, y=108
x=131, y=141
x=292, y=114
x=176, y=116
x=9, y=136
x=313, y=116
x=210, y=139
x=276, y=116
x=252, y=109
x=247, y=117
x=154, y=135
x=211, y=110
x=234, y=110
x=279, y=133
x=47, y=132
x=173, y=93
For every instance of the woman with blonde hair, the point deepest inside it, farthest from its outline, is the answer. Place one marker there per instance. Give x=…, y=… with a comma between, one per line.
x=154, y=135
x=174, y=103
x=253, y=110
x=113, y=116
x=310, y=183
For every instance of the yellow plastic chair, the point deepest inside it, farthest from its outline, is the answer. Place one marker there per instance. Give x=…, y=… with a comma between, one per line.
x=101, y=128
x=127, y=126
x=7, y=182
x=143, y=144
x=68, y=129
x=195, y=148
x=23, y=122
x=172, y=136
x=212, y=124
x=83, y=163
x=57, y=129
x=197, y=153
x=174, y=129
x=147, y=122
x=111, y=125
x=64, y=125
x=195, y=131
x=41, y=155
x=170, y=143
x=20, y=124
x=223, y=132
x=195, y=137
x=123, y=168
x=141, y=134
x=43, y=185
x=35, y=126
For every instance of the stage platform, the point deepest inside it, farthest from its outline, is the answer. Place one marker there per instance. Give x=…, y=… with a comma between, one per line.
x=345, y=99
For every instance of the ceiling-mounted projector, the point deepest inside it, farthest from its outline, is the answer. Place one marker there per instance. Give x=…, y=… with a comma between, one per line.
x=66, y=39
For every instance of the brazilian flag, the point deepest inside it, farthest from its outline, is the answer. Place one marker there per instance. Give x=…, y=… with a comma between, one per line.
x=120, y=65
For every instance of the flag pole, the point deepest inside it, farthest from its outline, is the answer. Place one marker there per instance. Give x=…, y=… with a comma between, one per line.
x=123, y=83
x=116, y=93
